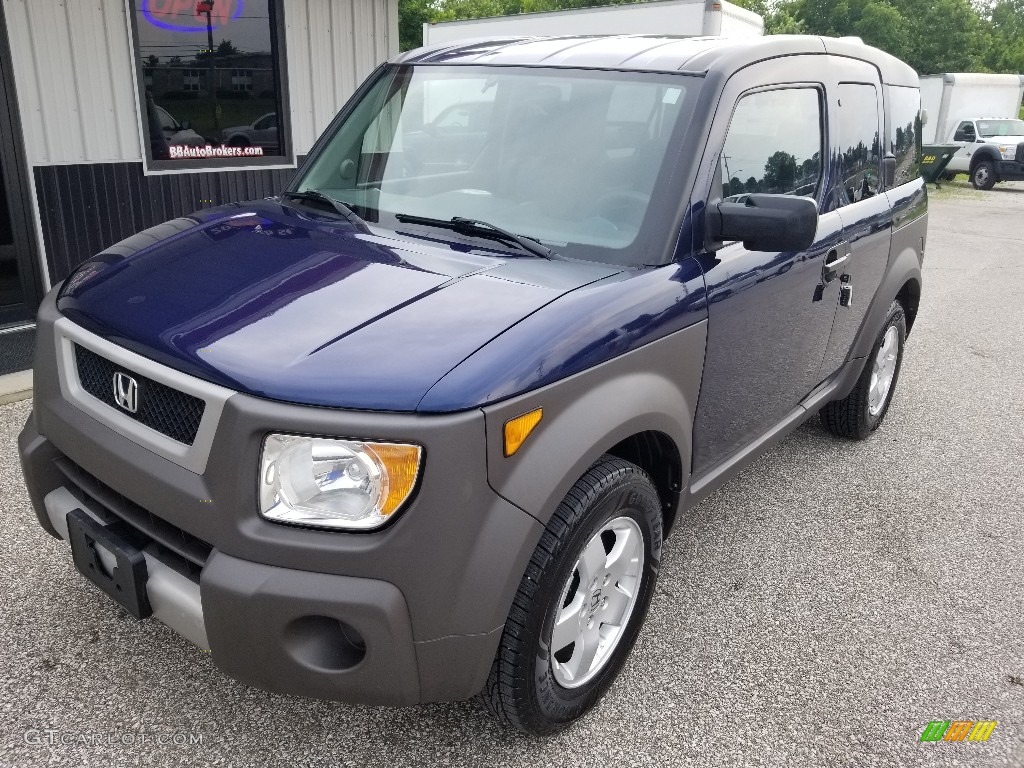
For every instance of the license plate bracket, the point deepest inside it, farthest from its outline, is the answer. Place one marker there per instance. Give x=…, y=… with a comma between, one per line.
x=126, y=583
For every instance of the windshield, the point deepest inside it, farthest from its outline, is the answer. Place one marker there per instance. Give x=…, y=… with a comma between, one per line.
x=990, y=128
x=571, y=158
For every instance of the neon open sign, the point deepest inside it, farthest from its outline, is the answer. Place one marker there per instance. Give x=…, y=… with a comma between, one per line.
x=189, y=15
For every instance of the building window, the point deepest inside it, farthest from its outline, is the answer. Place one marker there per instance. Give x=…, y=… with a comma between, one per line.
x=241, y=80
x=210, y=75
x=191, y=82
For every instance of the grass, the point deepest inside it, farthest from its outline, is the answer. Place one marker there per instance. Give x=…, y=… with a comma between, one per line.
x=958, y=189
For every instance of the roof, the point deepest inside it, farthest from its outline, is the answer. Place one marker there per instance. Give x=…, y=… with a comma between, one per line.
x=698, y=55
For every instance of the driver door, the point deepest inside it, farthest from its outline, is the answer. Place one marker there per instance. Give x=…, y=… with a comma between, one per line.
x=966, y=136
x=770, y=313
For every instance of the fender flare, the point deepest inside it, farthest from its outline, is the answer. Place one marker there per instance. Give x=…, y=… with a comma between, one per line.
x=986, y=152
x=651, y=389
x=904, y=268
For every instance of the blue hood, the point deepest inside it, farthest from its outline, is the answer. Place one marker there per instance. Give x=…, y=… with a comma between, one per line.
x=285, y=303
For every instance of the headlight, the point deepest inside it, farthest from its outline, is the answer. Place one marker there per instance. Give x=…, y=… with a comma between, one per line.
x=1008, y=153
x=330, y=483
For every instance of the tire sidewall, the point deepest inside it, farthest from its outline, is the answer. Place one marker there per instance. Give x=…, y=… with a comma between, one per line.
x=897, y=318
x=991, y=175
x=637, y=500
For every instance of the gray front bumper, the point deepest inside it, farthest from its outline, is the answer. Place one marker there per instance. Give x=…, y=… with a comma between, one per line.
x=428, y=595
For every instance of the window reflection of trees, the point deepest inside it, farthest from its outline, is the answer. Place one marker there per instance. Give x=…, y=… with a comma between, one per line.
x=783, y=174
x=860, y=170
x=905, y=111
x=774, y=145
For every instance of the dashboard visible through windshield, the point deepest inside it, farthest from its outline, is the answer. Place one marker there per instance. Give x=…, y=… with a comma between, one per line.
x=569, y=158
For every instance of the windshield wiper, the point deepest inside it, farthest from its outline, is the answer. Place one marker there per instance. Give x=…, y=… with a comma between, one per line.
x=343, y=208
x=481, y=229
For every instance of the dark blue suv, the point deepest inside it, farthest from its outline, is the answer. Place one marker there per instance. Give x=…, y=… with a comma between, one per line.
x=415, y=429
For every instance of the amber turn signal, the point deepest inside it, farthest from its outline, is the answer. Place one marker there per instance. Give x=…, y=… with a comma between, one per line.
x=403, y=465
x=519, y=428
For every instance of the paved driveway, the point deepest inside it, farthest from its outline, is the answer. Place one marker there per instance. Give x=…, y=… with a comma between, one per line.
x=818, y=611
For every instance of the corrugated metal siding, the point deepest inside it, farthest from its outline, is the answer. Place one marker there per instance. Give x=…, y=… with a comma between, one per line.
x=86, y=208
x=73, y=66
x=344, y=41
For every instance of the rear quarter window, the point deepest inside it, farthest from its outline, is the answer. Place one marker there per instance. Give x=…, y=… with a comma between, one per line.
x=904, y=131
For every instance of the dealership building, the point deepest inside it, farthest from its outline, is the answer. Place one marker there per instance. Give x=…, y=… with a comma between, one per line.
x=116, y=115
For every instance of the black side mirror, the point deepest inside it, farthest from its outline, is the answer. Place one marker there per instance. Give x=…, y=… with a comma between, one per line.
x=764, y=222
x=185, y=125
x=889, y=170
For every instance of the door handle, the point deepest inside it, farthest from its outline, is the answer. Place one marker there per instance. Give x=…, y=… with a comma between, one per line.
x=833, y=260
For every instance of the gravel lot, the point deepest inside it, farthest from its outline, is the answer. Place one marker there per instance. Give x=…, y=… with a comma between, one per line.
x=818, y=611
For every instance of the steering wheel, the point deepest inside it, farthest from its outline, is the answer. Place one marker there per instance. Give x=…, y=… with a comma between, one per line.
x=622, y=207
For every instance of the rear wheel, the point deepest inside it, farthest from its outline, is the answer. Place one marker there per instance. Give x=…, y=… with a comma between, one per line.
x=581, y=603
x=861, y=412
x=984, y=175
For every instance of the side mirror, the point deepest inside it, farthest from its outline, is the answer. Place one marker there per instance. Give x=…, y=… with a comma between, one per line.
x=185, y=125
x=764, y=222
x=889, y=170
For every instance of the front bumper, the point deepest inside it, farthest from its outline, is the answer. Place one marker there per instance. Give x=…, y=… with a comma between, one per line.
x=1010, y=170
x=427, y=596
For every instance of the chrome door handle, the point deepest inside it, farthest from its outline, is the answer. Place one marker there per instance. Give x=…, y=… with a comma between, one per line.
x=833, y=259
x=830, y=263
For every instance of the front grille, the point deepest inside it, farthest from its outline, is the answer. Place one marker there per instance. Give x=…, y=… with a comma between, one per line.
x=160, y=407
x=191, y=553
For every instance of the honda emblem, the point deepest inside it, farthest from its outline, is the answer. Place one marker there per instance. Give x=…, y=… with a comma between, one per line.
x=126, y=392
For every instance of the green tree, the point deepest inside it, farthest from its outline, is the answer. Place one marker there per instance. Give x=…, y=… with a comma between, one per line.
x=1005, y=52
x=930, y=35
x=412, y=14
x=780, y=173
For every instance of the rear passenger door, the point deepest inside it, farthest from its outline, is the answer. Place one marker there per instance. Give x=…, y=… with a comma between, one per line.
x=857, y=196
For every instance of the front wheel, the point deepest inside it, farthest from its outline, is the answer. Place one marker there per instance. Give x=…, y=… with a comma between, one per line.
x=984, y=175
x=581, y=603
x=861, y=412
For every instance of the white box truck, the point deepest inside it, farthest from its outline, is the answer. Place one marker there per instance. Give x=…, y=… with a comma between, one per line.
x=689, y=18
x=980, y=113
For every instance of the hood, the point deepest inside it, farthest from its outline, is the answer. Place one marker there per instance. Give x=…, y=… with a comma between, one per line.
x=285, y=303
x=1003, y=139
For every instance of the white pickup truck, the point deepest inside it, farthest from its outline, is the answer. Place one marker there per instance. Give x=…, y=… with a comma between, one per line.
x=991, y=148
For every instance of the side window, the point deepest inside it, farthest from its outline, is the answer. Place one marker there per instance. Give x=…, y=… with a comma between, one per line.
x=860, y=147
x=167, y=122
x=774, y=144
x=904, y=129
x=965, y=132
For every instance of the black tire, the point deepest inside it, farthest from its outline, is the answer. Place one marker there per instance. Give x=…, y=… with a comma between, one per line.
x=522, y=690
x=947, y=176
x=851, y=417
x=983, y=175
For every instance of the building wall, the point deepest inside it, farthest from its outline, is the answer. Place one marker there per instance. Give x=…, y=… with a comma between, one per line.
x=73, y=67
